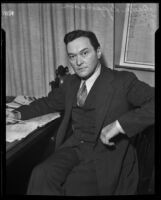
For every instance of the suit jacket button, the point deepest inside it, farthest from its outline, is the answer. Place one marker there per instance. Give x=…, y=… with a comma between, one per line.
x=82, y=141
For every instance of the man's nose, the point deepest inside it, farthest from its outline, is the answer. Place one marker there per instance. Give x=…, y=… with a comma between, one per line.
x=79, y=60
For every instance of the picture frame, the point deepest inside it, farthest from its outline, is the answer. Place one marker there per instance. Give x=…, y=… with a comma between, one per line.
x=138, y=41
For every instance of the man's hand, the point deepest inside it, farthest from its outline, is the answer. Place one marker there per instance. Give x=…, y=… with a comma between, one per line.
x=11, y=117
x=108, y=132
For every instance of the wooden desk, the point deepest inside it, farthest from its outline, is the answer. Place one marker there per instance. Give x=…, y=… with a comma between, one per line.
x=22, y=156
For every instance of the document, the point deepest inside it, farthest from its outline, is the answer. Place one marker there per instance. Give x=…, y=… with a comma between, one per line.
x=21, y=130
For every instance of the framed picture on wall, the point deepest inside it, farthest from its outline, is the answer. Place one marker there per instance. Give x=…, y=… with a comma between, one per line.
x=138, y=42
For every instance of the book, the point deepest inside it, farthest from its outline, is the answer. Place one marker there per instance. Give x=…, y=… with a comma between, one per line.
x=21, y=130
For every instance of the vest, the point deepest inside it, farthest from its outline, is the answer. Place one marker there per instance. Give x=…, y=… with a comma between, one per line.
x=83, y=118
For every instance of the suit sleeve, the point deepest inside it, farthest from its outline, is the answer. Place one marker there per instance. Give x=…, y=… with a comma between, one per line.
x=54, y=102
x=141, y=96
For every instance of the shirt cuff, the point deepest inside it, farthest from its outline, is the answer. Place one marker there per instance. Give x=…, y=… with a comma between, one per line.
x=119, y=127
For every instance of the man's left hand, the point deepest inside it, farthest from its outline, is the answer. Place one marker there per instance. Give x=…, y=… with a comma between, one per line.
x=108, y=132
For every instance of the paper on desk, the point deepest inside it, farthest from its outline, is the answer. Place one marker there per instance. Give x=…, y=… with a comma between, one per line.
x=21, y=130
x=19, y=101
x=13, y=105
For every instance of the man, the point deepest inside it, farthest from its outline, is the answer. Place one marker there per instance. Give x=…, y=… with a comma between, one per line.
x=105, y=109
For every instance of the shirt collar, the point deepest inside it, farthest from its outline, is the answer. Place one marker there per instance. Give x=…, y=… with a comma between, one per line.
x=90, y=81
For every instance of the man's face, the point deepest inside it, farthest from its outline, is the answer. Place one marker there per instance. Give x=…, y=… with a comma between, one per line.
x=83, y=57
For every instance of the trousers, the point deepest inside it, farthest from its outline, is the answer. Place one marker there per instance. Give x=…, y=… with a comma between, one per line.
x=69, y=171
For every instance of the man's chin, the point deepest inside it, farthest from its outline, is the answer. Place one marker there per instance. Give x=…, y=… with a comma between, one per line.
x=83, y=76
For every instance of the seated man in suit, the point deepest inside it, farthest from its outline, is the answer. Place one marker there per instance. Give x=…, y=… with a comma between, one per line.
x=105, y=109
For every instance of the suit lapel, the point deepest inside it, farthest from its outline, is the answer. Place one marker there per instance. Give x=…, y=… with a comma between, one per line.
x=71, y=93
x=104, y=96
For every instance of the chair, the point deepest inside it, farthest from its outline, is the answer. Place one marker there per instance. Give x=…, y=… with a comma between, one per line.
x=144, y=144
x=61, y=72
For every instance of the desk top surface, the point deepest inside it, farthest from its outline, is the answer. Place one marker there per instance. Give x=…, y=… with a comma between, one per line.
x=17, y=147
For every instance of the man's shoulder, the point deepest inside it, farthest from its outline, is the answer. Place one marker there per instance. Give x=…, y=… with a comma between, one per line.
x=121, y=74
x=71, y=77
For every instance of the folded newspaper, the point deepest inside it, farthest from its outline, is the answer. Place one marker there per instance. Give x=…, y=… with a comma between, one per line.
x=21, y=130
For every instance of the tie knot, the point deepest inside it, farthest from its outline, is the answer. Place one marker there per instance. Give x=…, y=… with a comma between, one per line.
x=83, y=84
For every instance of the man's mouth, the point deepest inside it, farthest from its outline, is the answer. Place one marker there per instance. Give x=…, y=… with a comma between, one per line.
x=82, y=68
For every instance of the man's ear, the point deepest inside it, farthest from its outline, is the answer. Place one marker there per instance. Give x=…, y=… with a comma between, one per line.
x=99, y=53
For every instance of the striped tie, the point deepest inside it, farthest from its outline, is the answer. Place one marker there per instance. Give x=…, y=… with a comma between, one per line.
x=82, y=95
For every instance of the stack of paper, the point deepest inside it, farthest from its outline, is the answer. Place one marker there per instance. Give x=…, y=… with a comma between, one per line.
x=21, y=130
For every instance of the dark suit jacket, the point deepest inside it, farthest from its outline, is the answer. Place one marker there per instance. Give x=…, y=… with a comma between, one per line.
x=121, y=97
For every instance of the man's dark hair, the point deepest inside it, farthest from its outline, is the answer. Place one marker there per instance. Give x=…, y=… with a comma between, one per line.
x=82, y=33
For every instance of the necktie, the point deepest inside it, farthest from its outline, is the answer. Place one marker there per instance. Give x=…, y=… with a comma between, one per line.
x=82, y=95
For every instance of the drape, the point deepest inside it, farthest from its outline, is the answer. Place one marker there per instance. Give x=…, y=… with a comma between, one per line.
x=34, y=40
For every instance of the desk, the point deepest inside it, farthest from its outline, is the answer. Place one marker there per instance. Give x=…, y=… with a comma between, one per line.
x=23, y=155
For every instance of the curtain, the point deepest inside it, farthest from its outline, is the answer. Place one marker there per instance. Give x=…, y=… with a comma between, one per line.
x=34, y=40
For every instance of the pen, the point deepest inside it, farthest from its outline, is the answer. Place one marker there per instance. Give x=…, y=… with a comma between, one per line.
x=18, y=120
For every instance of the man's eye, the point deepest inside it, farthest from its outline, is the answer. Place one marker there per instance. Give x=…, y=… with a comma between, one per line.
x=71, y=57
x=85, y=53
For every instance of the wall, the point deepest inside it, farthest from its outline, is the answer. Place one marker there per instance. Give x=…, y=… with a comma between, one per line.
x=146, y=76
